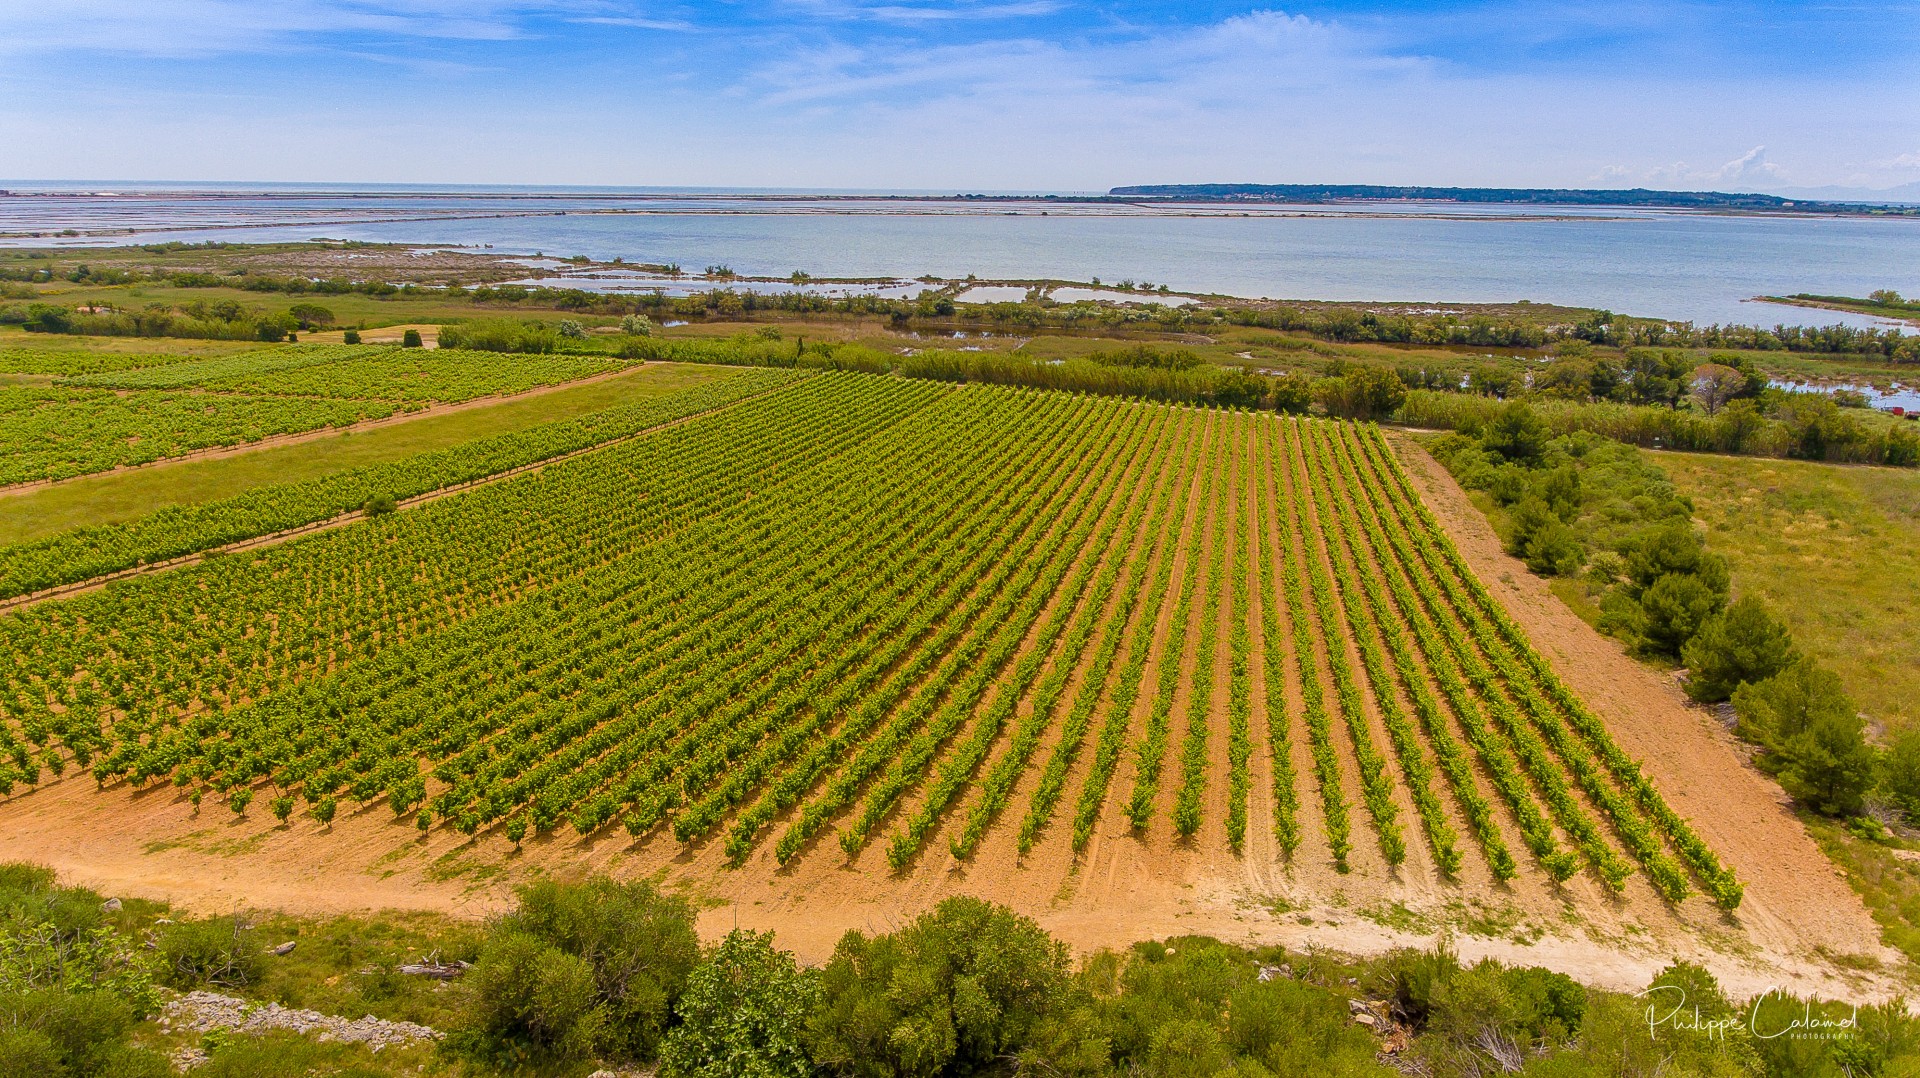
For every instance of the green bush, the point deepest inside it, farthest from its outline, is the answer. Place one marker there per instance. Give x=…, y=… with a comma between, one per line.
x=531, y=1000
x=1364, y=392
x=1291, y=394
x=1517, y=433
x=578, y=969
x=1900, y=771
x=1813, y=737
x=951, y=993
x=1673, y=610
x=500, y=335
x=220, y=951
x=1543, y=540
x=1145, y=355
x=743, y=1015
x=410, y=339
x=1195, y=1006
x=1744, y=644
x=29, y=896
x=49, y=1033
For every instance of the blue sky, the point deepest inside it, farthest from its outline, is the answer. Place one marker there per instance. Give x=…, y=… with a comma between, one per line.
x=964, y=94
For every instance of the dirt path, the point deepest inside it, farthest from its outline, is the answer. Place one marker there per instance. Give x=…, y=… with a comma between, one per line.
x=154, y=843
x=277, y=440
x=1796, y=900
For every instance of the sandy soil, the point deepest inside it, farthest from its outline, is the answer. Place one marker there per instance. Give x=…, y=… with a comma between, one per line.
x=1797, y=914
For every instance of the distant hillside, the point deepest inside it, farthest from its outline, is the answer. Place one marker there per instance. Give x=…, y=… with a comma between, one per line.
x=1533, y=196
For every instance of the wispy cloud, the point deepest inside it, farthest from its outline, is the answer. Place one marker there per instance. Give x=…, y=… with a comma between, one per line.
x=636, y=23
x=925, y=12
x=211, y=27
x=912, y=14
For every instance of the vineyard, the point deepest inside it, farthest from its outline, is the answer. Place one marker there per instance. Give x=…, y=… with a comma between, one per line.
x=850, y=617
x=89, y=552
x=54, y=433
x=110, y=410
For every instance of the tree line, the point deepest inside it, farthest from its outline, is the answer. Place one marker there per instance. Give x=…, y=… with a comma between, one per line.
x=1577, y=505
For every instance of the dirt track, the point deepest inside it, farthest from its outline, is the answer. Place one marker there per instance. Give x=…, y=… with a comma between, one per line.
x=1124, y=888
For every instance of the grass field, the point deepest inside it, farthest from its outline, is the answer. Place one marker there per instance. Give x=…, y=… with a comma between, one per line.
x=881, y=612
x=105, y=499
x=1835, y=549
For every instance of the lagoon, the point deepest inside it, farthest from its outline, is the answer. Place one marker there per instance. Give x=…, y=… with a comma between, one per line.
x=1703, y=268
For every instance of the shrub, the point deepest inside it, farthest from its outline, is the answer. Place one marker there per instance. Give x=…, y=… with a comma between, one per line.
x=1468, y=1012
x=1673, y=610
x=953, y=992
x=533, y=1000
x=1901, y=448
x=1238, y=388
x=219, y=951
x=410, y=339
x=1291, y=394
x=1812, y=734
x=1488, y=1009
x=1517, y=433
x=1746, y=643
x=572, y=330
x=1543, y=540
x=1900, y=773
x=29, y=896
x=49, y=1033
x=743, y=1015
x=1674, y=548
x=1364, y=392
x=500, y=335
x=351, y=336
x=638, y=325
x=582, y=968
x=378, y=505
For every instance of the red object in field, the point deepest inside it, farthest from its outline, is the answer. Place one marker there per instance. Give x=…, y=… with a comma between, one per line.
x=1897, y=410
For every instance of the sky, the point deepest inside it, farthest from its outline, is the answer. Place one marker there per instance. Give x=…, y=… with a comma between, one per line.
x=965, y=95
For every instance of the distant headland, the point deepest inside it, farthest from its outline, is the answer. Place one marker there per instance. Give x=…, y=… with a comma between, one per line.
x=1638, y=197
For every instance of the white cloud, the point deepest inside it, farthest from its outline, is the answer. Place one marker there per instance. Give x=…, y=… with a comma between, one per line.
x=211, y=27
x=1750, y=167
x=1749, y=170
x=636, y=23
x=912, y=14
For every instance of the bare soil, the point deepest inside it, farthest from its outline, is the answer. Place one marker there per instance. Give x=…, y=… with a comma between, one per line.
x=1798, y=917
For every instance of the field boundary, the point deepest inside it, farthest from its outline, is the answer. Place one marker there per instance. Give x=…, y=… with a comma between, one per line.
x=21, y=602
